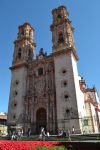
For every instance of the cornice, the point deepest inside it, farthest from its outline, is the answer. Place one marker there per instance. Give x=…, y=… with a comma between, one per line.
x=90, y=90
x=66, y=50
x=23, y=39
x=18, y=65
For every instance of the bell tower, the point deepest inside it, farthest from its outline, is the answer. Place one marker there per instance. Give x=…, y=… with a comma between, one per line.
x=24, y=44
x=66, y=73
x=23, y=54
x=62, y=30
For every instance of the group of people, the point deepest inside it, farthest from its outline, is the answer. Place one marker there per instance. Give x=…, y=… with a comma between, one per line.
x=16, y=135
x=62, y=133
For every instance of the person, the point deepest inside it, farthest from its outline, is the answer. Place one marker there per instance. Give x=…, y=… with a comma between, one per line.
x=59, y=133
x=68, y=132
x=48, y=135
x=40, y=136
x=19, y=135
x=64, y=134
x=13, y=137
x=43, y=134
x=29, y=132
x=22, y=132
x=73, y=130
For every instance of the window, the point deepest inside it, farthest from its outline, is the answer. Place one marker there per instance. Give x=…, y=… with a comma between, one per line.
x=64, y=83
x=59, y=16
x=14, y=116
x=60, y=38
x=85, y=122
x=67, y=113
x=16, y=82
x=29, y=54
x=64, y=71
x=40, y=71
x=16, y=93
x=19, y=53
x=66, y=96
x=15, y=105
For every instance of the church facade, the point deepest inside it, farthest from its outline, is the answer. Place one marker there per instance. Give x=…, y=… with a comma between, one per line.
x=47, y=91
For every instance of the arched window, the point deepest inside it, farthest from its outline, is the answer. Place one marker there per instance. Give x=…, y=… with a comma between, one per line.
x=63, y=71
x=15, y=104
x=66, y=96
x=19, y=53
x=29, y=54
x=67, y=113
x=65, y=83
x=14, y=117
x=60, y=38
x=59, y=16
x=16, y=82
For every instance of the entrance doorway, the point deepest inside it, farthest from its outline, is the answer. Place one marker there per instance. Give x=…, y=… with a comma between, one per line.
x=41, y=119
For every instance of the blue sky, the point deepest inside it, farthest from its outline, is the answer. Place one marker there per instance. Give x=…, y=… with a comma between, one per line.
x=85, y=17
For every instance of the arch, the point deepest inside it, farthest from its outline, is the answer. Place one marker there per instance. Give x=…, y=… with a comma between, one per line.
x=19, y=53
x=59, y=16
x=60, y=38
x=41, y=119
x=30, y=55
x=66, y=95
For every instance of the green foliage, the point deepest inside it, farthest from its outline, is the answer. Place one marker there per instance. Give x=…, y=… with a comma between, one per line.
x=52, y=148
